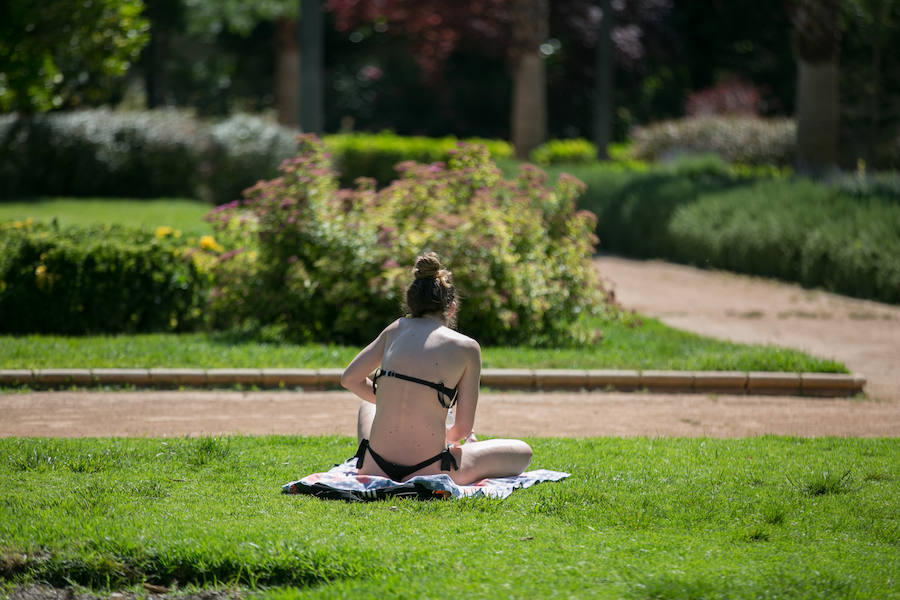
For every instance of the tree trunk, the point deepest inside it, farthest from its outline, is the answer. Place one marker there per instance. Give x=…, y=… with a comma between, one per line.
x=529, y=102
x=604, y=82
x=311, y=85
x=529, y=119
x=287, y=72
x=816, y=39
x=817, y=116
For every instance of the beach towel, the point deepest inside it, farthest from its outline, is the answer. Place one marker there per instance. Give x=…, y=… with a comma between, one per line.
x=342, y=482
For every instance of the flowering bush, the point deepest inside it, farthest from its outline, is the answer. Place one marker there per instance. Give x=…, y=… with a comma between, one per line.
x=330, y=264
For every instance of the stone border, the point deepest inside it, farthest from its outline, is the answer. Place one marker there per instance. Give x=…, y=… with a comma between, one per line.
x=709, y=382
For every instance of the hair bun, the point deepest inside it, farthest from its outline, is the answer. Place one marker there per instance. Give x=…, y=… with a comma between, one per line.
x=427, y=266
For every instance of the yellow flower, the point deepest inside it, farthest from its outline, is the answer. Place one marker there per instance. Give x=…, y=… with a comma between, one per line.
x=208, y=242
x=163, y=231
x=40, y=271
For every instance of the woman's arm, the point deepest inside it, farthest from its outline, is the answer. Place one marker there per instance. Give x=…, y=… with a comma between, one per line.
x=356, y=376
x=467, y=400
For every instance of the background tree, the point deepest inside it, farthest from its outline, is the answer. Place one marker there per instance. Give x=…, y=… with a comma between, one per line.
x=816, y=38
x=211, y=17
x=529, y=101
x=57, y=53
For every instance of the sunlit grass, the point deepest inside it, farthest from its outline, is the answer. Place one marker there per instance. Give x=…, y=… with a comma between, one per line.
x=179, y=213
x=650, y=345
x=638, y=518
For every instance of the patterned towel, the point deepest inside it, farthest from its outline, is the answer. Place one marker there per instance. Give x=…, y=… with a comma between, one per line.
x=342, y=482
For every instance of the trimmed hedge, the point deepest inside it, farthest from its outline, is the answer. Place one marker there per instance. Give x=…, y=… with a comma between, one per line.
x=103, y=153
x=633, y=208
x=167, y=153
x=795, y=230
x=736, y=139
x=564, y=151
x=377, y=155
x=97, y=280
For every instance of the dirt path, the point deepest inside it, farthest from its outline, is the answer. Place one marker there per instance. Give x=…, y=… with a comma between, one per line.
x=171, y=413
x=863, y=335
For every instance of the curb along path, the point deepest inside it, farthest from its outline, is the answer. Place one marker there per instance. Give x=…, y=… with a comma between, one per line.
x=711, y=382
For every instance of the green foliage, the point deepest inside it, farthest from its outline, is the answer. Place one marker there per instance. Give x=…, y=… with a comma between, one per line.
x=103, y=153
x=638, y=517
x=564, y=151
x=633, y=208
x=96, y=279
x=57, y=53
x=332, y=264
x=796, y=230
x=377, y=155
x=746, y=140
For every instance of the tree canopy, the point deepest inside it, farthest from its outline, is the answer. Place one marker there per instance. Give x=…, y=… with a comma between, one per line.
x=57, y=53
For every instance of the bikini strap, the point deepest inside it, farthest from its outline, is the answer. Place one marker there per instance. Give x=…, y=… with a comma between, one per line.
x=442, y=390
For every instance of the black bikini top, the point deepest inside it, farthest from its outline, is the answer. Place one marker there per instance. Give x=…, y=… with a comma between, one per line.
x=442, y=390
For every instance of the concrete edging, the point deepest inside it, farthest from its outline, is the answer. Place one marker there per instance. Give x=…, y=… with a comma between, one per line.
x=720, y=382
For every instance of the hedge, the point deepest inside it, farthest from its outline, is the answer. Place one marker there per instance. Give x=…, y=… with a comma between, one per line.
x=97, y=280
x=104, y=153
x=167, y=153
x=377, y=155
x=737, y=139
x=796, y=230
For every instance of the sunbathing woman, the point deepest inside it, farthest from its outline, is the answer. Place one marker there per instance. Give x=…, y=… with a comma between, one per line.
x=424, y=368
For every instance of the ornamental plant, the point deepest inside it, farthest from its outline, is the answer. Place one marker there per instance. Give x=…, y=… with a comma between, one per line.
x=313, y=261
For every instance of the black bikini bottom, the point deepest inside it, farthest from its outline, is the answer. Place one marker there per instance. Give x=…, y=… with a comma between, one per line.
x=399, y=472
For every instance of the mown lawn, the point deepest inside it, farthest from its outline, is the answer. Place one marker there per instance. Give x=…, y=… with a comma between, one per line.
x=182, y=214
x=764, y=517
x=648, y=345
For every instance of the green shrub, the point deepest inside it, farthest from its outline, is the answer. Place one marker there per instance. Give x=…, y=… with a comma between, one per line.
x=103, y=153
x=564, y=151
x=248, y=149
x=97, y=280
x=746, y=140
x=799, y=231
x=633, y=208
x=322, y=263
x=376, y=155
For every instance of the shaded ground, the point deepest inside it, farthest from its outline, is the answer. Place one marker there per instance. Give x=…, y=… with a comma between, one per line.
x=863, y=335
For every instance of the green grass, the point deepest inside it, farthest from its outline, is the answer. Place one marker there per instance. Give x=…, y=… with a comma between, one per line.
x=650, y=345
x=638, y=518
x=178, y=213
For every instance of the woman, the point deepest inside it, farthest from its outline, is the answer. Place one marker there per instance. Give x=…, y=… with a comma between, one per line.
x=424, y=368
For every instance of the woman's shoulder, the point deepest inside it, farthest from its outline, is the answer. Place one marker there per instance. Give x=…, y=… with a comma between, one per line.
x=462, y=340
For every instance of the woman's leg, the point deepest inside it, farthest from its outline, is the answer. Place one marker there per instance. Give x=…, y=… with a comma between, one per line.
x=490, y=458
x=364, y=421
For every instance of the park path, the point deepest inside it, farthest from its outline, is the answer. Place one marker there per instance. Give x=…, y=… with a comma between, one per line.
x=863, y=335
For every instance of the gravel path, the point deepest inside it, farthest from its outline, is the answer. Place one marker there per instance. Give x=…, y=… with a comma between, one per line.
x=864, y=335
